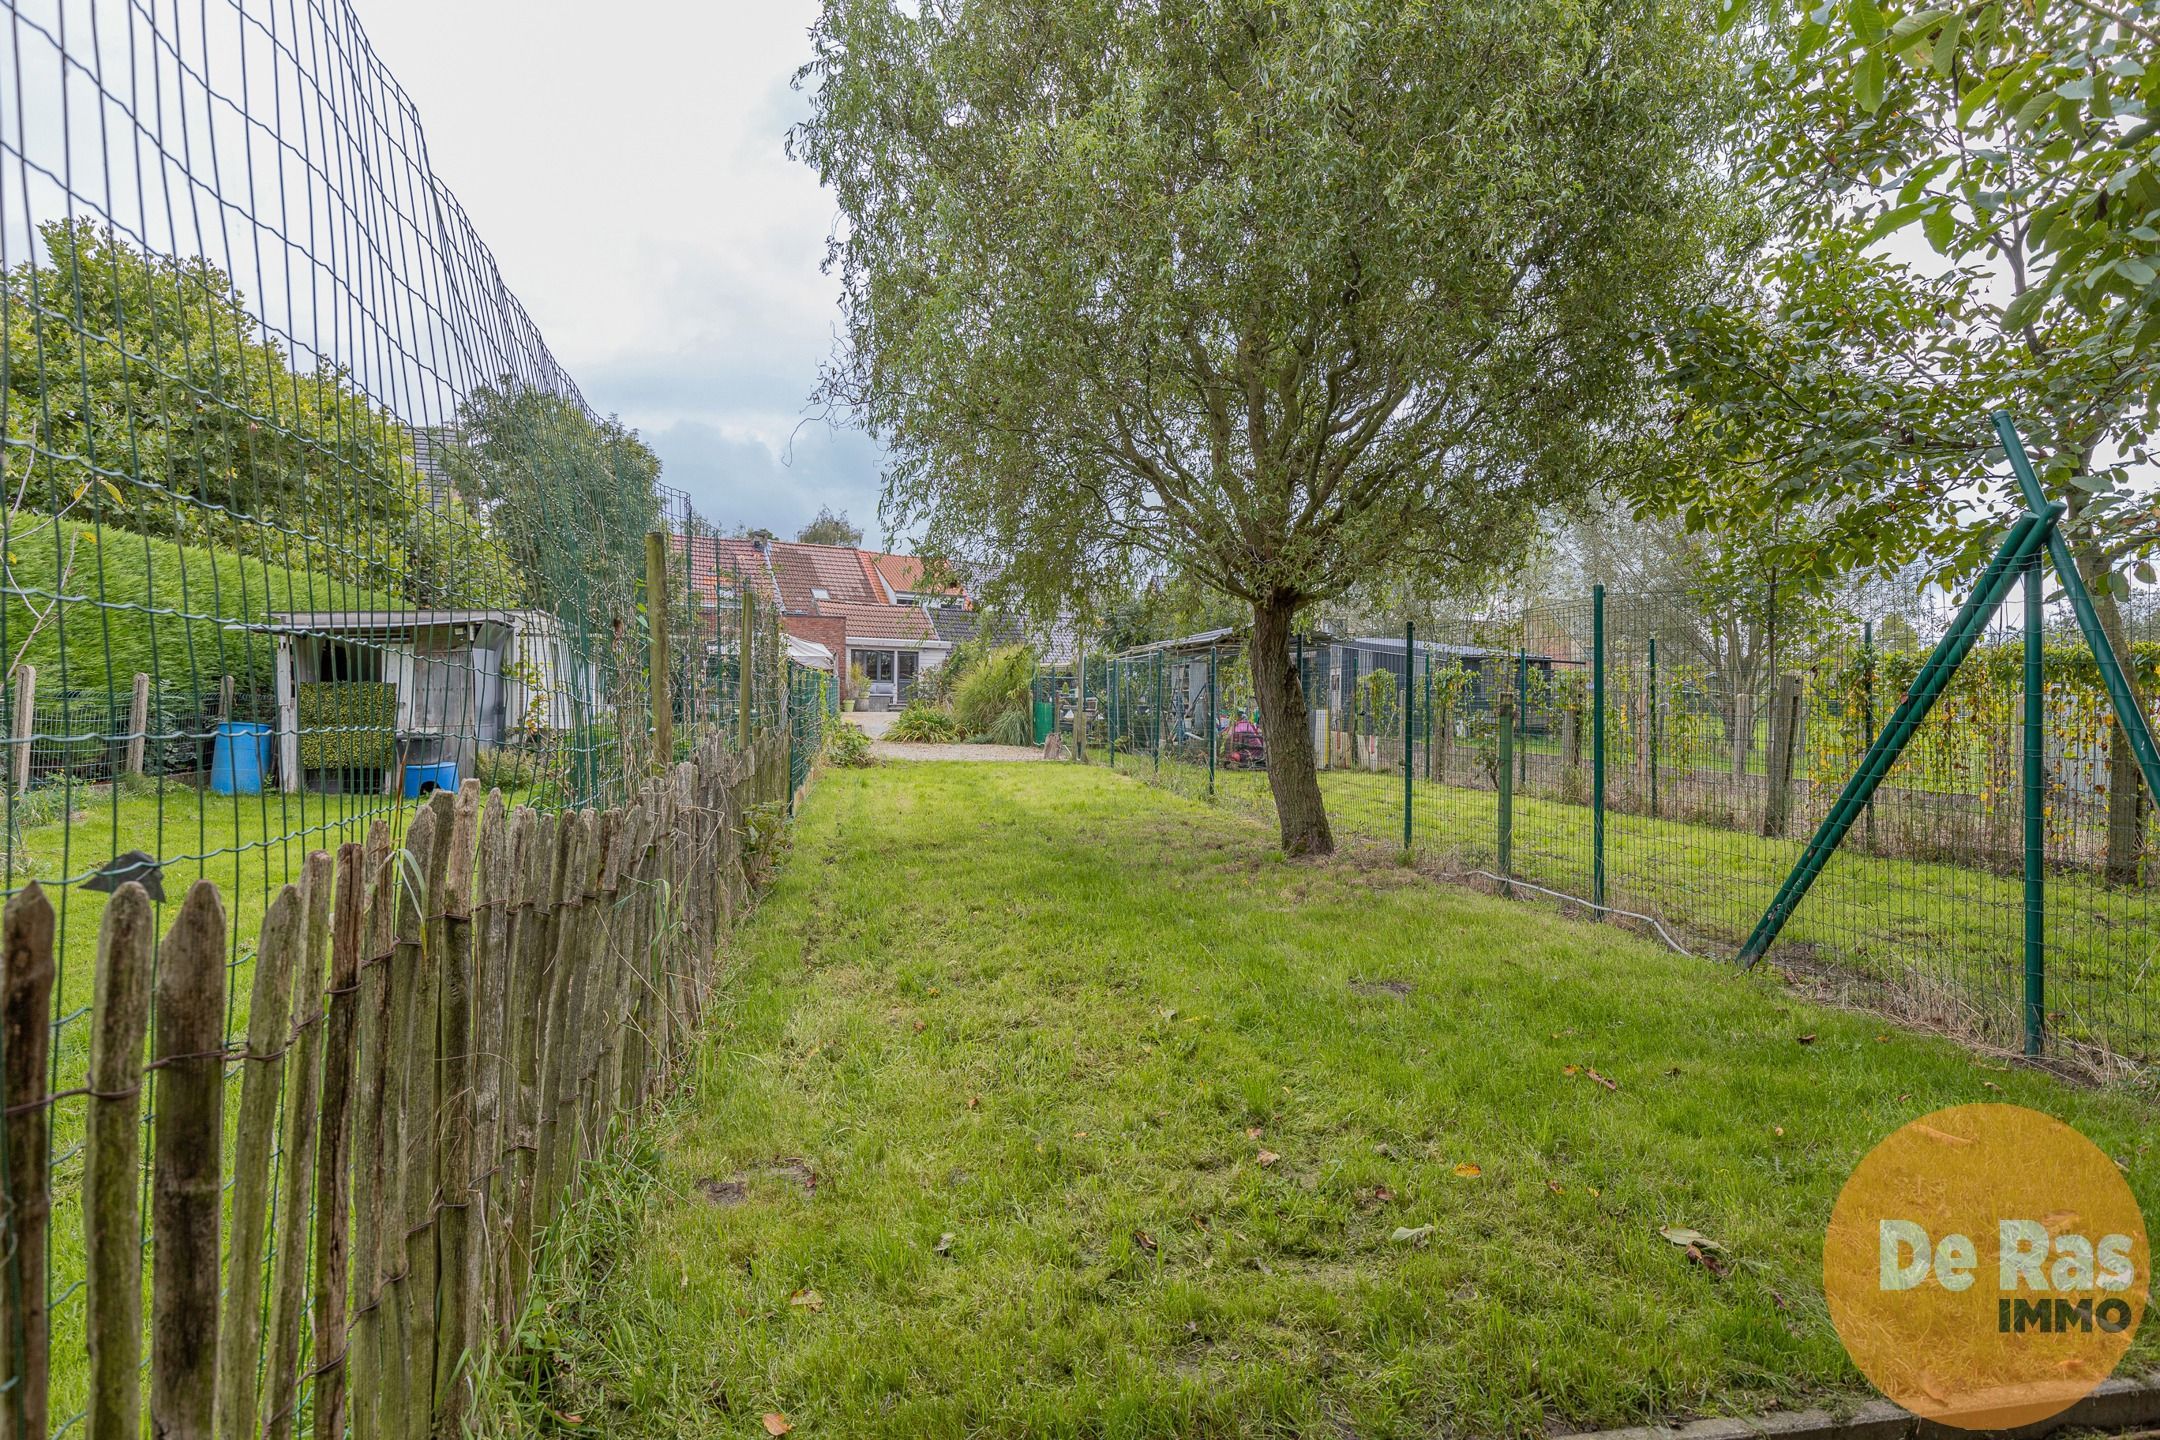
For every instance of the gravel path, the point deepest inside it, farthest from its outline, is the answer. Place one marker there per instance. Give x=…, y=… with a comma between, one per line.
x=889, y=751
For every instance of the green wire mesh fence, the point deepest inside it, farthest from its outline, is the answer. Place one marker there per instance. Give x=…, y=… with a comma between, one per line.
x=1663, y=758
x=303, y=521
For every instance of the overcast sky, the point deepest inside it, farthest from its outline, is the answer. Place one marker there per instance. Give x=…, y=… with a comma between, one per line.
x=626, y=164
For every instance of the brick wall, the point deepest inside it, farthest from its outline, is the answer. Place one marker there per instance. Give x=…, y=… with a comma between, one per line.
x=827, y=630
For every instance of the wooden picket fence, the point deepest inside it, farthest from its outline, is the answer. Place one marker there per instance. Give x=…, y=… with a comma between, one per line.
x=439, y=1032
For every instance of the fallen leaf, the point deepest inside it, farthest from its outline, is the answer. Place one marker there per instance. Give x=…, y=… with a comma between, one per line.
x=974, y=1102
x=1468, y=1171
x=1405, y=1235
x=1268, y=1157
x=1571, y=1070
x=1382, y=1195
x=1144, y=1240
x=567, y=1419
x=921, y=1025
x=1556, y=1187
x=1682, y=1236
x=1252, y=1132
x=1778, y=1130
x=1673, y=1072
x=1991, y=1085
x=807, y=1299
x=776, y=1423
x=1080, y=1134
x=1807, y=1039
x=1607, y=1082
x=1882, y=1039
x=1384, y=1150
x=944, y=1243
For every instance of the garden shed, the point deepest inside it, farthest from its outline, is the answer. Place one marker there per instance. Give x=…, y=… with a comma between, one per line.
x=362, y=693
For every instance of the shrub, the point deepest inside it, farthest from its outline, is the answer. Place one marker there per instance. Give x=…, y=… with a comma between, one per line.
x=1010, y=728
x=346, y=725
x=921, y=724
x=1002, y=684
x=846, y=745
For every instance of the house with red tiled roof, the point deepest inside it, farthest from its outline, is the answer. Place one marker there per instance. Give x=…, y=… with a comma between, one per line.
x=869, y=609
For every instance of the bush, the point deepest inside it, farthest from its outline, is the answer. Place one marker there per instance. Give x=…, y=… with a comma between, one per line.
x=1011, y=728
x=346, y=725
x=921, y=724
x=197, y=599
x=1003, y=684
x=846, y=745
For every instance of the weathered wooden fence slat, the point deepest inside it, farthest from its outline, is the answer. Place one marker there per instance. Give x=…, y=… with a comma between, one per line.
x=441, y=1028
x=112, y=1164
x=26, y=985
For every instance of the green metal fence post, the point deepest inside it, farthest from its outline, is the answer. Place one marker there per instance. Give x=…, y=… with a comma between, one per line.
x=1409, y=720
x=2023, y=540
x=2035, y=826
x=1506, y=779
x=1650, y=720
x=1211, y=721
x=1597, y=746
x=1110, y=678
x=2127, y=713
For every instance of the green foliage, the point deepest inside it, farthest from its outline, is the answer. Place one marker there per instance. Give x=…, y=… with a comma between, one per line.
x=176, y=612
x=1003, y=683
x=1315, y=288
x=346, y=724
x=136, y=380
x=924, y=724
x=1010, y=728
x=830, y=529
x=846, y=745
x=2017, y=142
x=570, y=496
x=1376, y=697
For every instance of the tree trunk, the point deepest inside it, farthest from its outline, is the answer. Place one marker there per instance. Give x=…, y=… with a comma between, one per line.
x=2126, y=788
x=1291, y=773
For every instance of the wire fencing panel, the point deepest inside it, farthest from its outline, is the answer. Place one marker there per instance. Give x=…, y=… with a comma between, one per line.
x=303, y=523
x=1667, y=756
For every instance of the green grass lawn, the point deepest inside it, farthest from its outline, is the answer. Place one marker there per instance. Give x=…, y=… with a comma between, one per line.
x=1950, y=933
x=981, y=1141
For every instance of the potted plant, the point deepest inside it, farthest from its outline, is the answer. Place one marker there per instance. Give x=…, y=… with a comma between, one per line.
x=858, y=686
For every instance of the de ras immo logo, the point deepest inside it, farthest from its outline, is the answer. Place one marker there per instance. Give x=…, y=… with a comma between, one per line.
x=1987, y=1266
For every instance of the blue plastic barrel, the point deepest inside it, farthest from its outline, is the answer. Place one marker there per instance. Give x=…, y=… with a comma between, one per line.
x=419, y=779
x=238, y=757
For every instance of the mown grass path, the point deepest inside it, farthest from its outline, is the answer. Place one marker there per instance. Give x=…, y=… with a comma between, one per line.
x=1065, y=1020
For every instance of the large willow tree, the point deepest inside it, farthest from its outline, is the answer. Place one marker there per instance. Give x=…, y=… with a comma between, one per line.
x=1280, y=295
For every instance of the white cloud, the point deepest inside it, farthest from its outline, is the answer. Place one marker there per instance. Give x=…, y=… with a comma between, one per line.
x=628, y=169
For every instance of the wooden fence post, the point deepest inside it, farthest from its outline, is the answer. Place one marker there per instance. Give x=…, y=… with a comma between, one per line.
x=296, y=1147
x=25, y=724
x=262, y=1071
x=138, y=723
x=26, y=1032
x=454, y=1111
x=186, y=1181
x=376, y=1155
x=333, y=1169
x=112, y=1166
x=533, y=841
x=1784, y=725
x=423, y=1100
x=491, y=955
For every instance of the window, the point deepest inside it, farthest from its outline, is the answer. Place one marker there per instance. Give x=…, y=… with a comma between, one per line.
x=343, y=661
x=817, y=594
x=878, y=665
